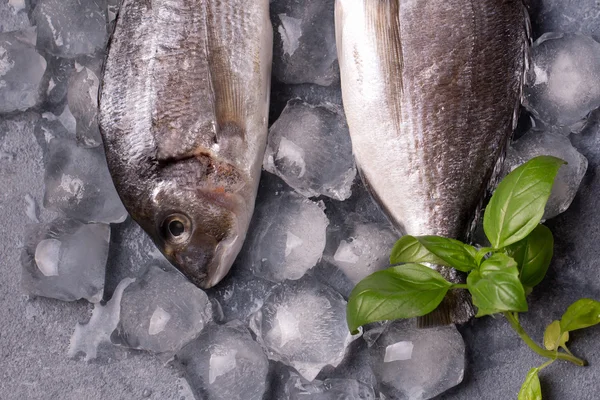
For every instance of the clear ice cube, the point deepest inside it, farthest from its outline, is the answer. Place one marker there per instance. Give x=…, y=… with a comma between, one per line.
x=580, y=16
x=309, y=148
x=69, y=28
x=297, y=388
x=161, y=312
x=563, y=83
x=56, y=81
x=364, y=251
x=359, y=241
x=78, y=183
x=303, y=324
x=132, y=252
x=304, y=42
x=88, y=337
x=224, y=363
x=240, y=294
x=417, y=364
x=287, y=234
x=49, y=126
x=569, y=177
x=21, y=71
x=83, y=102
x=66, y=260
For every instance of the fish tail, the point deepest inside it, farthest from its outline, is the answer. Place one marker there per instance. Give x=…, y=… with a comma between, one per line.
x=456, y=308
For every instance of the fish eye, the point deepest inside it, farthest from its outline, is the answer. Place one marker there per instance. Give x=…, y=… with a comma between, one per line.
x=176, y=228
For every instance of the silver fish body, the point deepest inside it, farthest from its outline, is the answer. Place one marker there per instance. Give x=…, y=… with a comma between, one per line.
x=183, y=114
x=431, y=92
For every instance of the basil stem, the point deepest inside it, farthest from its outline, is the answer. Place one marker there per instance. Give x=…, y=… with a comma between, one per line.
x=553, y=355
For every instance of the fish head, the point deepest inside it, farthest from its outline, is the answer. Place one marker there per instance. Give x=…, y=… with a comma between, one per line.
x=197, y=230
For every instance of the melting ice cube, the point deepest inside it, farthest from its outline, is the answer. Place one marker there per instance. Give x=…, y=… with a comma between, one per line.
x=563, y=84
x=21, y=71
x=66, y=260
x=224, y=363
x=309, y=148
x=303, y=324
x=569, y=177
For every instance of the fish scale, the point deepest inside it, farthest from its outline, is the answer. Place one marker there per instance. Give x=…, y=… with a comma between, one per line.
x=183, y=114
x=430, y=90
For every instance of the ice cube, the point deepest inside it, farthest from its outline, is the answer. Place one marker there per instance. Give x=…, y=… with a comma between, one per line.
x=334, y=389
x=49, y=126
x=66, y=260
x=329, y=274
x=286, y=236
x=304, y=49
x=417, y=364
x=78, y=183
x=69, y=28
x=132, y=252
x=356, y=366
x=565, y=16
x=359, y=241
x=112, y=11
x=297, y=388
x=366, y=250
x=17, y=5
x=31, y=208
x=569, y=177
x=21, y=71
x=309, y=148
x=303, y=324
x=224, y=363
x=161, y=312
x=240, y=294
x=56, y=81
x=359, y=208
x=87, y=338
x=83, y=103
x=281, y=94
x=563, y=83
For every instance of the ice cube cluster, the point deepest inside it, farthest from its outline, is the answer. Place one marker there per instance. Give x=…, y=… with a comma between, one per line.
x=275, y=327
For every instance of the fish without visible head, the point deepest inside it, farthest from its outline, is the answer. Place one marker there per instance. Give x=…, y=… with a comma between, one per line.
x=183, y=113
x=431, y=91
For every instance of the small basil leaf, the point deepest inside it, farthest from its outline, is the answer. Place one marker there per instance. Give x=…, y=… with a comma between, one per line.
x=409, y=250
x=404, y=291
x=454, y=253
x=496, y=287
x=531, y=389
x=581, y=314
x=533, y=255
x=553, y=338
x=517, y=205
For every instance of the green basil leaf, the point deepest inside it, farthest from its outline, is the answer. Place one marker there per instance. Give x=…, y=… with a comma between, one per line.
x=435, y=250
x=518, y=203
x=533, y=255
x=531, y=389
x=404, y=291
x=496, y=287
x=553, y=338
x=581, y=314
x=409, y=250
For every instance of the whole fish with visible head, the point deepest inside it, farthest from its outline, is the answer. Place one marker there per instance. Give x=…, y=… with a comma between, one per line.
x=431, y=91
x=183, y=114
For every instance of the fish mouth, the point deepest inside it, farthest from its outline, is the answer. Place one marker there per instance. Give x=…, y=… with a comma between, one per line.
x=207, y=264
x=203, y=242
